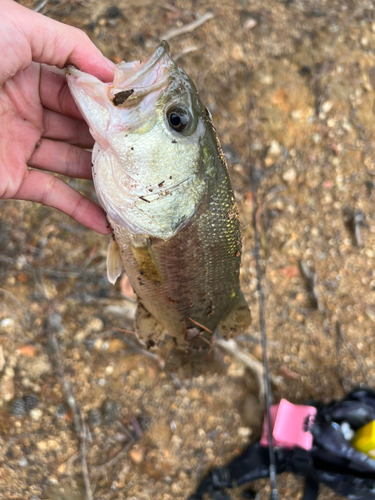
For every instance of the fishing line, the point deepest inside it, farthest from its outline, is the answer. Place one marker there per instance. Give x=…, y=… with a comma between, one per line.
x=254, y=179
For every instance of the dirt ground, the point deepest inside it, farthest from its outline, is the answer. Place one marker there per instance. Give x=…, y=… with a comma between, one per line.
x=302, y=75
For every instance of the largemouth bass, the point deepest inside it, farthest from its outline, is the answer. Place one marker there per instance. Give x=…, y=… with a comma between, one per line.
x=161, y=176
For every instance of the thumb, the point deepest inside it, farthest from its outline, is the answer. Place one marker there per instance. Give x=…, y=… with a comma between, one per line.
x=58, y=44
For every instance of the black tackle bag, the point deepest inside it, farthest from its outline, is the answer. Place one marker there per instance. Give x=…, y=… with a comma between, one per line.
x=332, y=460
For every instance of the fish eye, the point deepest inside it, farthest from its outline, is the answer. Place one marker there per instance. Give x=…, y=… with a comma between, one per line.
x=178, y=119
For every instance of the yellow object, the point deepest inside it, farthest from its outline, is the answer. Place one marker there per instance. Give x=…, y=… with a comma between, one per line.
x=364, y=439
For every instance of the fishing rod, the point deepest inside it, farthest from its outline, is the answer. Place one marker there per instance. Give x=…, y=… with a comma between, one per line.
x=262, y=320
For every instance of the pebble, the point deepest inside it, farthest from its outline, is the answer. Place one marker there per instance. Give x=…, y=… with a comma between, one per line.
x=250, y=23
x=94, y=325
x=244, y=432
x=36, y=414
x=326, y=106
x=23, y=462
x=296, y=115
x=109, y=370
x=316, y=138
x=7, y=388
x=275, y=149
x=290, y=175
x=266, y=79
x=6, y=322
x=194, y=394
x=137, y=454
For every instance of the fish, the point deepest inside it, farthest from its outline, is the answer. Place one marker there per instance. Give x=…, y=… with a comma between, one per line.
x=162, y=178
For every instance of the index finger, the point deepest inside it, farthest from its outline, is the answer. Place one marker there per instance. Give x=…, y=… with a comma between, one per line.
x=55, y=93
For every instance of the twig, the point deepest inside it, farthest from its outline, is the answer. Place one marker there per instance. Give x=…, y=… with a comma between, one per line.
x=112, y=330
x=100, y=469
x=200, y=326
x=79, y=424
x=137, y=347
x=248, y=360
x=186, y=50
x=41, y=5
x=188, y=27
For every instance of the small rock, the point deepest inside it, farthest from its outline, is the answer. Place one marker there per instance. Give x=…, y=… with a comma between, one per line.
x=7, y=322
x=266, y=79
x=250, y=23
x=137, y=454
x=23, y=462
x=326, y=106
x=194, y=394
x=109, y=370
x=244, y=432
x=116, y=345
x=275, y=149
x=42, y=445
x=317, y=138
x=237, y=53
x=80, y=336
x=6, y=388
x=290, y=175
x=94, y=325
x=296, y=115
x=36, y=414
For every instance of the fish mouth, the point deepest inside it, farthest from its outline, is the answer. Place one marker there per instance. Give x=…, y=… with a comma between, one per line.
x=143, y=78
x=132, y=81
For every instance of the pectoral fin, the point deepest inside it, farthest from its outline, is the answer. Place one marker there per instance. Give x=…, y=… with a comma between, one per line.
x=114, y=263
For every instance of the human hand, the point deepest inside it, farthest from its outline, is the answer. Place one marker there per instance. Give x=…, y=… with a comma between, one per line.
x=40, y=125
